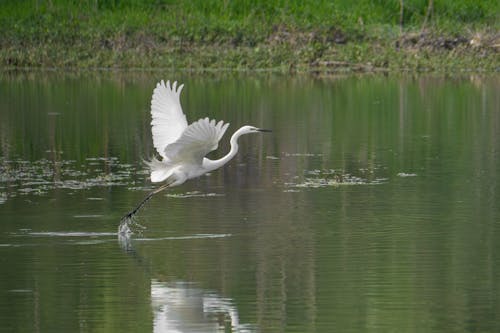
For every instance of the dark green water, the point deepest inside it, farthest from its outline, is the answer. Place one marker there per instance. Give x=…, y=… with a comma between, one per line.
x=372, y=207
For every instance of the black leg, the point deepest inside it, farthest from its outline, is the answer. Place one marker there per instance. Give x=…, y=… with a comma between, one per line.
x=130, y=215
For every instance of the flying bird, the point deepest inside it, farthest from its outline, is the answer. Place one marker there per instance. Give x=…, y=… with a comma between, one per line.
x=182, y=147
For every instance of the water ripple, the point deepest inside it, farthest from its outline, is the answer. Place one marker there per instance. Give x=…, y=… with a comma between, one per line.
x=195, y=236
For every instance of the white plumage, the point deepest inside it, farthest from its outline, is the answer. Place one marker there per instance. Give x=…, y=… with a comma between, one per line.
x=168, y=120
x=183, y=148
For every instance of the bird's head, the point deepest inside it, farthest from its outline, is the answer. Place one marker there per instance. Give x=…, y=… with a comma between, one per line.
x=252, y=129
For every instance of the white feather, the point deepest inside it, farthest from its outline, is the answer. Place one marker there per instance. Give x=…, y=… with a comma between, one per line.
x=168, y=121
x=197, y=140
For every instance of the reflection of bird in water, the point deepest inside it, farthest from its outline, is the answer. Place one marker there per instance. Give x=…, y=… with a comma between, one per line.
x=182, y=148
x=181, y=307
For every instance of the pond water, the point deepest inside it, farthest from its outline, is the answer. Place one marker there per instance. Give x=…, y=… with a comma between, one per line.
x=373, y=206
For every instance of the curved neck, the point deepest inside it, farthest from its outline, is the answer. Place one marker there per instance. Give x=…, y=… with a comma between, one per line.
x=215, y=164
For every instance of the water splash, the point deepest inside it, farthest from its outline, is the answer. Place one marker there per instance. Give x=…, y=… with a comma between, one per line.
x=128, y=225
x=124, y=227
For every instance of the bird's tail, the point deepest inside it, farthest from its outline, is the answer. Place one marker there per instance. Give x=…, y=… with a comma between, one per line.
x=153, y=163
x=160, y=170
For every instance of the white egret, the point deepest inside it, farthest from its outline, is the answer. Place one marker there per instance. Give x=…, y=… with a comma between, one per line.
x=183, y=148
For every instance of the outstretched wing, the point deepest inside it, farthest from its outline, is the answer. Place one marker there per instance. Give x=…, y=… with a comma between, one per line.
x=168, y=121
x=197, y=140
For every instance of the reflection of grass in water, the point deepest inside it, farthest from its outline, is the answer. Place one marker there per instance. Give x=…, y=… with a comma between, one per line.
x=404, y=174
x=19, y=177
x=193, y=194
x=325, y=178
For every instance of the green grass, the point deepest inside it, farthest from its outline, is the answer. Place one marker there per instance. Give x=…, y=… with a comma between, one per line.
x=283, y=35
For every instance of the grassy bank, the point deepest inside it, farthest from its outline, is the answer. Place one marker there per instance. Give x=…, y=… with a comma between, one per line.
x=286, y=36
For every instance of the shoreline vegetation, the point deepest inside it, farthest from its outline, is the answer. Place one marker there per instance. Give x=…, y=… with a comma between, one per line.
x=282, y=36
